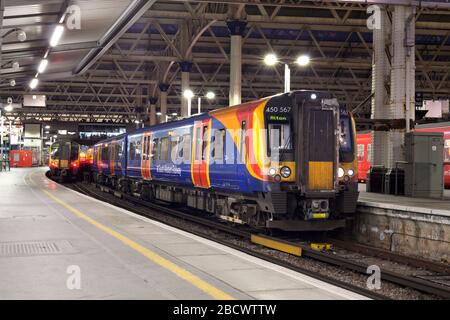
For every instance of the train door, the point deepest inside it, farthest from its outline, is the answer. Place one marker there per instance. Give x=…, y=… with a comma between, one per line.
x=321, y=143
x=242, y=154
x=146, y=156
x=201, y=153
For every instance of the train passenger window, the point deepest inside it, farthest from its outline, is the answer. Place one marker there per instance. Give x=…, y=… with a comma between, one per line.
x=187, y=147
x=279, y=139
x=120, y=150
x=105, y=153
x=154, y=154
x=360, y=152
x=164, y=149
x=198, y=143
x=205, y=142
x=174, y=145
x=243, y=135
x=219, y=144
x=145, y=153
x=132, y=150
x=135, y=149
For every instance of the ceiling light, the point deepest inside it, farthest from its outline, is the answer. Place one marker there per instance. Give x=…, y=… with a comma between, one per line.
x=210, y=95
x=12, y=83
x=21, y=36
x=188, y=94
x=313, y=96
x=158, y=113
x=47, y=127
x=56, y=36
x=174, y=114
x=9, y=108
x=34, y=83
x=43, y=65
x=270, y=59
x=303, y=60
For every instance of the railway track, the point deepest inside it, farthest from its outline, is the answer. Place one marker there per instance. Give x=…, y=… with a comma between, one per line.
x=434, y=281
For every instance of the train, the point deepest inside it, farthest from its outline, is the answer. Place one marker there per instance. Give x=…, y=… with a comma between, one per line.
x=364, y=149
x=284, y=162
x=69, y=160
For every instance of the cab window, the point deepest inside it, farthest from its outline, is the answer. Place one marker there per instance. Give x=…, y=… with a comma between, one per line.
x=280, y=139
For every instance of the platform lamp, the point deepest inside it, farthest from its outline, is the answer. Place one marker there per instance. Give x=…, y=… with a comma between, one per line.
x=188, y=94
x=271, y=60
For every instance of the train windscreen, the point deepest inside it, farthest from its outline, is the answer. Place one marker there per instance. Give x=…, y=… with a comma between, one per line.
x=279, y=139
x=346, y=147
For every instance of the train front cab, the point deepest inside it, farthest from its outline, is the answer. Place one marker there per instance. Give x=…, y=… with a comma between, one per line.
x=316, y=193
x=348, y=165
x=64, y=159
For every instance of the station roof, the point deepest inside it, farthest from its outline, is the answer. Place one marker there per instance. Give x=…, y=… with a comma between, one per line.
x=113, y=82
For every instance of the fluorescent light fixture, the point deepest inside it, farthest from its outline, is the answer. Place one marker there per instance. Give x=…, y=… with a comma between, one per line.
x=136, y=121
x=158, y=113
x=188, y=94
x=270, y=59
x=55, y=136
x=210, y=95
x=47, y=132
x=47, y=127
x=43, y=65
x=303, y=60
x=9, y=108
x=56, y=36
x=34, y=83
x=174, y=114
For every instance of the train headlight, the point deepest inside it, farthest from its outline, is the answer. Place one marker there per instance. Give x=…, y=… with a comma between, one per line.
x=285, y=172
x=341, y=172
x=272, y=171
x=351, y=172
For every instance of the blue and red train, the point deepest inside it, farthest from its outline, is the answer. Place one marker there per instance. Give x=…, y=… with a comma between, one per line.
x=284, y=162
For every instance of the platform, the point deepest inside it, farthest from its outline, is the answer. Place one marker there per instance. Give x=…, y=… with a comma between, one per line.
x=49, y=234
x=410, y=226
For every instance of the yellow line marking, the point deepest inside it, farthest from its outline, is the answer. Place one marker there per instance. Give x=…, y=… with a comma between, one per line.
x=277, y=245
x=154, y=257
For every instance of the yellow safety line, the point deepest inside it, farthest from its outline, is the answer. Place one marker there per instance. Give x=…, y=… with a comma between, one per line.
x=154, y=257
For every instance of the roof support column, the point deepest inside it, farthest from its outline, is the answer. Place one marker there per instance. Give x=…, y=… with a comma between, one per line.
x=163, y=88
x=236, y=28
x=186, y=67
x=380, y=103
x=152, y=111
x=2, y=10
x=402, y=78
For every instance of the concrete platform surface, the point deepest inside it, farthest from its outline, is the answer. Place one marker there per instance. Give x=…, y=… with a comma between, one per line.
x=407, y=204
x=58, y=244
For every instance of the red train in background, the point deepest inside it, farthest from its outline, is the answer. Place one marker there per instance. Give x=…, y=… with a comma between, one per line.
x=364, y=141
